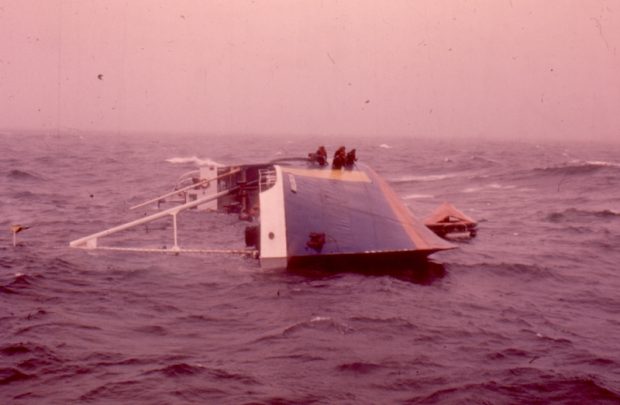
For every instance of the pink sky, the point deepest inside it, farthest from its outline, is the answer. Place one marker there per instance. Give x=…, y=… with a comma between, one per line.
x=492, y=68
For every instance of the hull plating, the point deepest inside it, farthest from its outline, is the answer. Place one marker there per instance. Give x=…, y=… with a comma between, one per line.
x=350, y=215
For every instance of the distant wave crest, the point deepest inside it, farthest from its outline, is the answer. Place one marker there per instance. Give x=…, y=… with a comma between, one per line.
x=602, y=163
x=358, y=367
x=422, y=178
x=318, y=323
x=23, y=175
x=417, y=196
x=578, y=167
x=178, y=370
x=550, y=388
x=10, y=375
x=572, y=214
x=193, y=159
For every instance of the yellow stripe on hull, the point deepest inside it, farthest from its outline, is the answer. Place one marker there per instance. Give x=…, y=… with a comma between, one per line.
x=328, y=174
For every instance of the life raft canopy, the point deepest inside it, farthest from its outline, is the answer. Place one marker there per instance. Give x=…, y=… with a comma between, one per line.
x=449, y=222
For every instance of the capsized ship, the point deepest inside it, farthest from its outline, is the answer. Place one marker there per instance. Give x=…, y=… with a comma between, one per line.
x=299, y=211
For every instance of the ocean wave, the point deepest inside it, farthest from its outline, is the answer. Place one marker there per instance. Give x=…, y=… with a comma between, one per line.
x=180, y=369
x=16, y=349
x=517, y=383
x=509, y=353
x=38, y=314
x=9, y=375
x=6, y=290
x=577, y=167
x=320, y=323
x=572, y=214
x=393, y=322
x=492, y=186
x=21, y=280
x=23, y=175
x=123, y=391
x=519, y=270
x=602, y=363
x=54, y=327
x=485, y=160
x=152, y=330
x=358, y=367
x=103, y=359
x=184, y=369
x=602, y=163
x=193, y=159
x=27, y=196
x=60, y=264
x=297, y=357
x=30, y=356
x=555, y=341
x=422, y=178
x=417, y=196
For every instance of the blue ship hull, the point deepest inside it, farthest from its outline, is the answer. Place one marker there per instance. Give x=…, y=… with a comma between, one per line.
x=344, y=216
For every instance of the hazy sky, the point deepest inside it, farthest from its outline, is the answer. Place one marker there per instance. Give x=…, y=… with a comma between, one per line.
x=496, y=68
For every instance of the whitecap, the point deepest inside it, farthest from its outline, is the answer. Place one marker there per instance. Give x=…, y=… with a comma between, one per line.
x=602, y=163
x=417, y=196
x=193, y=159
x=428, y=177
x=472, y=189
x=501, y=187
x=385, y=146
x=320, y=318
x=492, y=186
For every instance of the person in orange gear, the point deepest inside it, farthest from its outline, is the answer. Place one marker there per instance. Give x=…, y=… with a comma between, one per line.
x=350, y=159
x=339, y=158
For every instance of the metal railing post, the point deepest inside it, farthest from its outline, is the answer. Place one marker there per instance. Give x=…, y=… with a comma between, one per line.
x=174, y=230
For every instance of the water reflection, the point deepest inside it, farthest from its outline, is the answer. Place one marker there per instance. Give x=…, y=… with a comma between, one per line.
x=420, y=272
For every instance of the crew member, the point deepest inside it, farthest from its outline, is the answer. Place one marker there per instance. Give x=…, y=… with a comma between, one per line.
x=339, y=158
x=350, y=159
x=320, y=156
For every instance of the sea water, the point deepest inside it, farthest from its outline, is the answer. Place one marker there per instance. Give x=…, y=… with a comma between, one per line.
x=526, y=312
